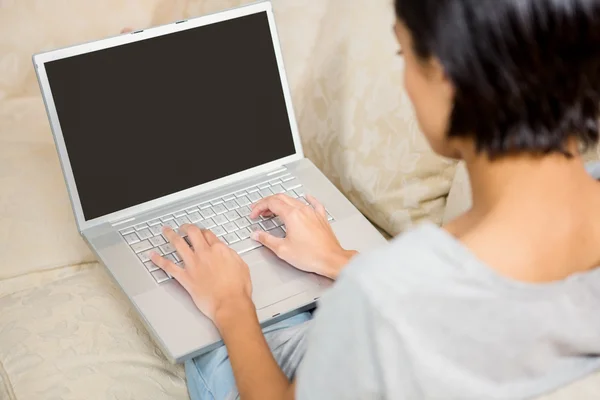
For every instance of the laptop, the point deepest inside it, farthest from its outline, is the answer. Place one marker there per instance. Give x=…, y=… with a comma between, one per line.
x=190, y=122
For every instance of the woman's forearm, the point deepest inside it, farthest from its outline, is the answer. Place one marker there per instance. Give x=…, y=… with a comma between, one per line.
x=256, y=372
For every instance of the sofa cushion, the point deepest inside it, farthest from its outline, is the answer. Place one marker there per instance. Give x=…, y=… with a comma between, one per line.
x=358, y=125
x=72, y=334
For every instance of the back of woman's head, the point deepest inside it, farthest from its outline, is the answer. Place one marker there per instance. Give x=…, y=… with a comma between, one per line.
x=526, y=73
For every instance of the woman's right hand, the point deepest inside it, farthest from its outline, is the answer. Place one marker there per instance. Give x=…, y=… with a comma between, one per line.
x=310, y=244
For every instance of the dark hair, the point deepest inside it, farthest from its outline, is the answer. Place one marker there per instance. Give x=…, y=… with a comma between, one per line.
x=526, y=72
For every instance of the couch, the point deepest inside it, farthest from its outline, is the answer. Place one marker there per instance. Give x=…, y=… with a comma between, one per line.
x=66, y=331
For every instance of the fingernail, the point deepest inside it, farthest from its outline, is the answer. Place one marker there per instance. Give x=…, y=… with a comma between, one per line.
x=254, y=235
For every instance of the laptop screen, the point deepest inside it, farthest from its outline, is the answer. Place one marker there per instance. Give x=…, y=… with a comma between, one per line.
x=158, y=116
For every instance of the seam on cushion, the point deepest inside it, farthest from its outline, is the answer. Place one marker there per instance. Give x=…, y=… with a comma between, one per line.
x=6, y=383
x=52, y=269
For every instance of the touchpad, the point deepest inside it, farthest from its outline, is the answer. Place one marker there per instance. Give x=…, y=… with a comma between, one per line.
x=274, y=280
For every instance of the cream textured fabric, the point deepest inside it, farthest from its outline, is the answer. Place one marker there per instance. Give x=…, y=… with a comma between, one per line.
x=73, y=335
x=358, y=125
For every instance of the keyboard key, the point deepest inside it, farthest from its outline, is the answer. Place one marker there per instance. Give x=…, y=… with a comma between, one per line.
x=230, y=227
x=160, y=276
x=231, y=205
x=207, y=213
x=217, y=202
x=182, y=220
x=300, y=191
x=256, y=228
x=154, y=222
x=241, y=193
x=277, y=189
x=141, y=246
x=267, y=225
x=156, y=230
x=145, y=255
x=131, y=238
x=181, y=265
x=218, y=231
x=255, y=220
x=176, y=257
x=167, y=248
x=171, y=257
x=263, y=185
x=253, y=189
x=277, y=221
x=127, y=231
x=245, y=246
x=277, y=232
x=157, y=241
x=208, y=223
x=292, y=184
x=219, y=209
x=275, y=182
x=232, y=238
x=139, y=227
x=284, y=228
x=195, y=217
x=229, y=197
x=204, y=206
x=292, y=194
x=243, y=233
x=287, y=178
x=244, y=211
x=232, y=215
x=242, y=223
x=254, y=197
x=243, y=201
x=167, y=218
x=220, y=220
x=150, y=266
x=172, y=223
x=180, y=214
x=266, y=192
x=191, y=210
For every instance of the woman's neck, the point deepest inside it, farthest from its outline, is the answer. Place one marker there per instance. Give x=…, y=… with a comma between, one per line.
x=542, y=215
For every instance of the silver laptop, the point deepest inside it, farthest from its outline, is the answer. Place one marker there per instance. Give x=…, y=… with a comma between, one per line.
x=190, y=122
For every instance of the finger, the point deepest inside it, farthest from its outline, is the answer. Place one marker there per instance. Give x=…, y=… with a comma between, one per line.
x=181, y=245
x=319, y=208
x=210, y=237
x=168, y=266
x=195, y=236
x=274, y=204
x=269, y=241
x=126, y=30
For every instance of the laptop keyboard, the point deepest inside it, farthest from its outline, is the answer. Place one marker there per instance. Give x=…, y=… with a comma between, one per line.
x=228, y=217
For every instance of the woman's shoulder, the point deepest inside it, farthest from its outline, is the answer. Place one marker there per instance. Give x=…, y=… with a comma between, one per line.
x=424, y=259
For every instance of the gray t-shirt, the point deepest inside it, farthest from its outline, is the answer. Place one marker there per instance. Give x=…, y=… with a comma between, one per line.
x=423, y=318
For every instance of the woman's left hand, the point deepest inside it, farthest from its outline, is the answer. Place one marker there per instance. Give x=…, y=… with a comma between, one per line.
x=215, y=276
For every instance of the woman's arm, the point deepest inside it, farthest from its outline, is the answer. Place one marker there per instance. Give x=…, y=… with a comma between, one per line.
x=256, y=372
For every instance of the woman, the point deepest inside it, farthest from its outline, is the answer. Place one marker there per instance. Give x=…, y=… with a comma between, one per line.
x=504, y=302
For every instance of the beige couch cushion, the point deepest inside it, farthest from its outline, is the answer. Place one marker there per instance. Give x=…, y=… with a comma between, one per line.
x=358, y=125
x=71, y=334
x=37, y=229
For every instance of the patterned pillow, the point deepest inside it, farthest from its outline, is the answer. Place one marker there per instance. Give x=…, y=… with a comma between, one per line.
x=357, y=123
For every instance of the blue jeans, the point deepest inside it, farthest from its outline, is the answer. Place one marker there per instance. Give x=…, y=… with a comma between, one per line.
x=210, y=376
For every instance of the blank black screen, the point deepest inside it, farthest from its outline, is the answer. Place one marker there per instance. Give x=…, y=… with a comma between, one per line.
x=161, y=115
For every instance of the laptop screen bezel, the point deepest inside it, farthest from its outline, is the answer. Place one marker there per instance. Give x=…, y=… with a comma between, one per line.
x=39, y=61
